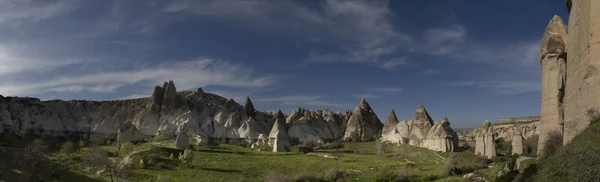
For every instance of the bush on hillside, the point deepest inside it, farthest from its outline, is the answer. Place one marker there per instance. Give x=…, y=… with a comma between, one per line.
x=163, y=137
x=186, y=157
x=576, y=161
x=456, y=165
x=552, y=144
x=332, y=145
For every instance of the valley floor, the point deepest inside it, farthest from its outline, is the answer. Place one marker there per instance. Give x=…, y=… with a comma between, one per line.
x=361, y=162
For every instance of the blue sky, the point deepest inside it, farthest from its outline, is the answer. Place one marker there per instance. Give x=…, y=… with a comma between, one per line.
x=467, y=60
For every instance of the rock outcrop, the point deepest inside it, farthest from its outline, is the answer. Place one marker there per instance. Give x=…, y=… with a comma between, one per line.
x=505, y=128
x=484, y=141
x=363, y=125
x=420, y=126
x=395, y=131
x=553, y=60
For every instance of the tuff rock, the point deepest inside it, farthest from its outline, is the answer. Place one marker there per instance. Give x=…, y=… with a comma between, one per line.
x=363, y=125
x=484, y=141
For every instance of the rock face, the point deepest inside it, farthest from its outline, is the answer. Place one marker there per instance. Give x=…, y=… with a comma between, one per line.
x=583, y=61
x=420, y=132
x=484, y=141
x=363, y=125
x=553, y=60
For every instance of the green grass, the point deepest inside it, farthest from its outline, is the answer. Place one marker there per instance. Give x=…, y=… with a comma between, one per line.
x=234, y=163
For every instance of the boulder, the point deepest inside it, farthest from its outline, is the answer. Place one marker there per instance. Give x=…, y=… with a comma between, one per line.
x=363, y=125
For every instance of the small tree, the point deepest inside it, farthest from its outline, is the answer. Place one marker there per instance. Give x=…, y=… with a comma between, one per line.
x=142, y=165
x=455, y=165
x=552, y=144
x=127, y=147
x=67, y=148
x=98, y=159
x=33, y=163
x=171, y=156
x=380, y=146
x=81, y=143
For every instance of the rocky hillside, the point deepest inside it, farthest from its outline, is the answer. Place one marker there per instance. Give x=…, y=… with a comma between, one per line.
x=204, y=115
x=506, y=128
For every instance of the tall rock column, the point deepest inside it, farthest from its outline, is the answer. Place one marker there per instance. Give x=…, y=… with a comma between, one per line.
x=552, y=58
x=583, y=80
x=484, y=141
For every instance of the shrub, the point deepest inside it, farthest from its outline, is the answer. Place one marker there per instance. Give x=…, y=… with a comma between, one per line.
x=552, y=144
x=67, y=148
x=307, y=178
x=456, y=165
x=163, y=137
x=186, y=157
x=302, y=149
x=310, y=144
x=171, y=156
x=335, y=174
x=481, y=162
x=127, y=147
x=274, y=176
x=81, y=143
x=361, y=151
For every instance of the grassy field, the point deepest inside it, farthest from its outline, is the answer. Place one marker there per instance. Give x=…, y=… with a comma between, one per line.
x=234, y=163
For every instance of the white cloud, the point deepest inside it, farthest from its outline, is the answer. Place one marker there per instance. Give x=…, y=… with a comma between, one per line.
x=299, y=100
x=502, y=87
x=186, y=75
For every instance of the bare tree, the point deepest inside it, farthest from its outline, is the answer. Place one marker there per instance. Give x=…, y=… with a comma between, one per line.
x=98, y=159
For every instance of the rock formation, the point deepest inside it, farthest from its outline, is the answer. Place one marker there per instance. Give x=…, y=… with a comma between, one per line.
x=517, y=144
x=420, y=132
x=420, y=126
x=363, y=125
x=505, y=128
x=395, y=131
x=279, y=140
x=553, y=60
x=441, y=137
x=182, y=141
x=583, y=61
x=484, y=141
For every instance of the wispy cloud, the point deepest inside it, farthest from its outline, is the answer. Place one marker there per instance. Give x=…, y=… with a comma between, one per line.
x=366, y=95
x=15, y=12
x=300, y=100
x=502, y=87
x=429, y=71
x=361, y=31
x=135, y=96
x=387, y=90
x=186, y=74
